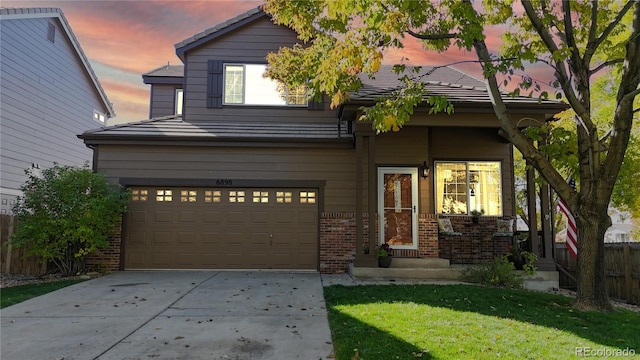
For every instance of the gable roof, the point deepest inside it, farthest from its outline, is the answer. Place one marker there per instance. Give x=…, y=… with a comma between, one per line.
x=219, y=30
x=56, y=13
x=460, y=88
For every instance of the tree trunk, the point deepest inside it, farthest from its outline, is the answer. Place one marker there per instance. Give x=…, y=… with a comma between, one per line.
x=591, y=278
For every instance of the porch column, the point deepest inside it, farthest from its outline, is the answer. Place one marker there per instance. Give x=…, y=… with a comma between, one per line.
x=372, y=181
x=531, y=206
x=361, y=259
x=359, y=187
x=545, y=260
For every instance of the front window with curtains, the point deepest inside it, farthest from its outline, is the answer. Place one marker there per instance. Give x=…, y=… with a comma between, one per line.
x=464, y=186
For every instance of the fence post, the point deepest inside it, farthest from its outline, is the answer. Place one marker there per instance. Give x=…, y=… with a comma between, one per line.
x=10, y=230
x=628, y=280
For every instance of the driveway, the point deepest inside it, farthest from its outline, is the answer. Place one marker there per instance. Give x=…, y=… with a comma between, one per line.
x=173, y=315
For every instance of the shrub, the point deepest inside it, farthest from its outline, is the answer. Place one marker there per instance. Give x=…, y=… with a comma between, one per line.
x=498, y=272
x=66, y=214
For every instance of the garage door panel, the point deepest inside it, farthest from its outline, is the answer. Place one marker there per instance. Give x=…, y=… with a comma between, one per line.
x=138, y=238
x=138, y=217
x=187, y=238
x=161, y=259
x=212, y=238
x=210, y=228
x=163, y=216
x=188, y=216
x=236, y=217
x=162, y=237
x=307, y=218
x=213, y=217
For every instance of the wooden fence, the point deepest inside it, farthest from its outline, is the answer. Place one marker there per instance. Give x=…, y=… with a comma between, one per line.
x=13, y=260
x=622, y=268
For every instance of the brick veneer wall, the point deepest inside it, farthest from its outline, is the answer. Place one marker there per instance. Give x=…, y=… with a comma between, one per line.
x=477, y=242
x=107, y=259
x=338, y=239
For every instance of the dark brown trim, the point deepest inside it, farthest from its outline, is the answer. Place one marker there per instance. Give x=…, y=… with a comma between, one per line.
x=234, y=183
x=89, y=139
x=168, y=80
x=123, y=234
x=94, y=166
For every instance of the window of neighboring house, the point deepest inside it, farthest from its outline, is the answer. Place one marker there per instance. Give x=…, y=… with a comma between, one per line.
x=51, y=32
x=244, y=84
x=99, y=117
x=465, y=186
x=178, y=106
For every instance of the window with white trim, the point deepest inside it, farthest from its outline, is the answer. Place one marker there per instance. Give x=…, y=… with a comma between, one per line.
x=462, y=187
x=99, y=117
x=245, y=84
x=178, y=105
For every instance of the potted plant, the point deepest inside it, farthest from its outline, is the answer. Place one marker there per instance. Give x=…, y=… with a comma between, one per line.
x=475, y=215
x=384, y=253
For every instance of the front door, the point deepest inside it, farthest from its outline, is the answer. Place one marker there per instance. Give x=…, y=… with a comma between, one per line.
x=397, y=206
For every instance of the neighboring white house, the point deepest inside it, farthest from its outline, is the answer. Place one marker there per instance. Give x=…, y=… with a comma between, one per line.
x=621, y=230
x=48, y=94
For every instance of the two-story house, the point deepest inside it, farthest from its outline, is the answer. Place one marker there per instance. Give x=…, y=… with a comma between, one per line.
x=234, y=171
x=48, y=94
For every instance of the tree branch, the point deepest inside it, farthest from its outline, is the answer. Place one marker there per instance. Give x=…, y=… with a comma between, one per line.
x=432, y=37
x=561, y=72
x=568, y=29
x=604, y=65
x=614, y=23
x=515, y=136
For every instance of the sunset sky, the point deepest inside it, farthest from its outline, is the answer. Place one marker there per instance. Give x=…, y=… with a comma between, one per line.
x=124, y=39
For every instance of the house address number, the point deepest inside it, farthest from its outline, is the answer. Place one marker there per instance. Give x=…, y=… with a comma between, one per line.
x=224, y=182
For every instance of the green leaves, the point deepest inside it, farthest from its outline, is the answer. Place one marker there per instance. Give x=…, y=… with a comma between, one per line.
x=67, y=214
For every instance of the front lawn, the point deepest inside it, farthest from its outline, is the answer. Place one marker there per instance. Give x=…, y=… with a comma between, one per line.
x=15, y=294
x=471, y=322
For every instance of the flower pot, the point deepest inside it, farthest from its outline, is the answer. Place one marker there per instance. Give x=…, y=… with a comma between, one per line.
x=385, y=261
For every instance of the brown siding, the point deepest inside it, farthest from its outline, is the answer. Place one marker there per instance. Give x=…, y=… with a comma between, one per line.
x=408, y=147
x=334, y=166
x=163, y=99
x=471, y=144
x=250, y=43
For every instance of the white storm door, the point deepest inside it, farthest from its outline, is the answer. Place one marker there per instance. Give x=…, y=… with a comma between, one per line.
x=398, y=207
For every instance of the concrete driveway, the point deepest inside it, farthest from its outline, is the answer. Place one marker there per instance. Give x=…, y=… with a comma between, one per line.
x=173, y=315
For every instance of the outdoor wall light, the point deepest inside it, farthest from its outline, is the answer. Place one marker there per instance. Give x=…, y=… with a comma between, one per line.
x=424, y=170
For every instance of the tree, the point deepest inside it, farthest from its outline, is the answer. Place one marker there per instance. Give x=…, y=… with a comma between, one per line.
x=577, y=39
x=67, y=214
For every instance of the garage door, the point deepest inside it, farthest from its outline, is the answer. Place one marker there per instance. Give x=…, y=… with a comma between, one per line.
x=209, y=228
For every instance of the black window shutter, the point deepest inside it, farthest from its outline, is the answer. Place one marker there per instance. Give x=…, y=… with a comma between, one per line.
x=214, y=84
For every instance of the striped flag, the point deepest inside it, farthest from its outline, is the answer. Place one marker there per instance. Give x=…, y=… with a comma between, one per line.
x=572, y=230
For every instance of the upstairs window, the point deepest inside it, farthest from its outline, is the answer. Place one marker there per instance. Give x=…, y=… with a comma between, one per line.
x=245, y=84
x=462, y=187
x=178, y=106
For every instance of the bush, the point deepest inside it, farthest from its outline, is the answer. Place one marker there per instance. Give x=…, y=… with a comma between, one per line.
x=66, y=214
x=498, y=272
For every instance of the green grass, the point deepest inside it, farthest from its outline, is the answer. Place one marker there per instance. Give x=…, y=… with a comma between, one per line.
x=469, y=322
x=17, y=294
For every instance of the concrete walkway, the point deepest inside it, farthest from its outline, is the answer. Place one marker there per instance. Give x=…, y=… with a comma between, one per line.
x=174, y=315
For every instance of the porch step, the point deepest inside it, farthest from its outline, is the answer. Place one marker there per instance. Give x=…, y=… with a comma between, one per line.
x=406, y=273
x=433, y=263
